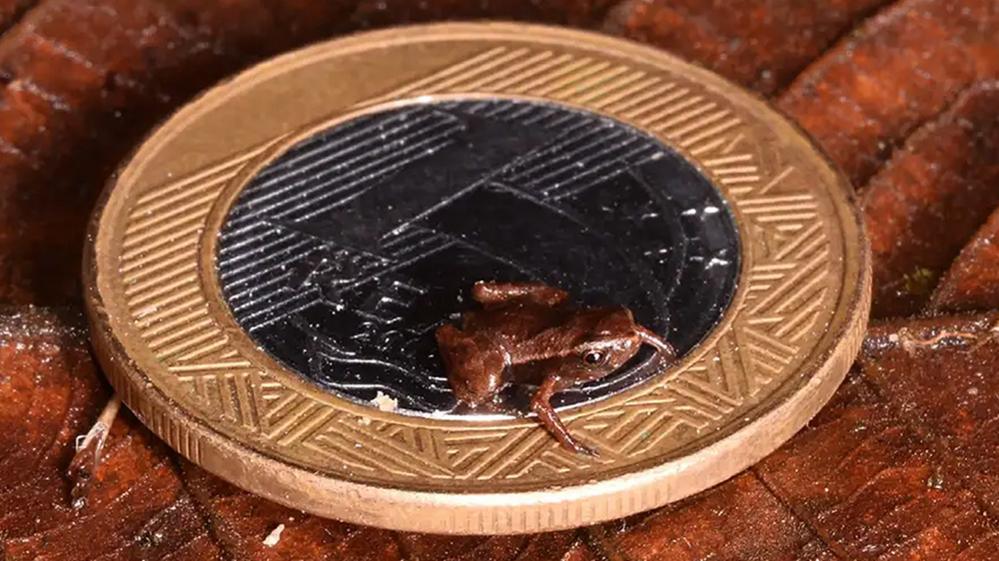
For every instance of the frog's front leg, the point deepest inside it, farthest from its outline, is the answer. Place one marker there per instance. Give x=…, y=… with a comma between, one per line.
x=474, y=365
x=497, y=293
x=542, y=406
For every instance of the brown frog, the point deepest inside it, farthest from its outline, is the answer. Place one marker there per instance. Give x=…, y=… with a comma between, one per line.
x=528, y=333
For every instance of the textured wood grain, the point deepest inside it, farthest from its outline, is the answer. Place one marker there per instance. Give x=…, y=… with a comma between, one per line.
x=241, y=522
x=972, y=282
x=83, y=80
x=902, y=465
x=762, y=44
x=870, y=487
x=864, y=96
x=739, y=520
x=137, y=505
x=377, y=13
x=940, y=376
x=946, y=169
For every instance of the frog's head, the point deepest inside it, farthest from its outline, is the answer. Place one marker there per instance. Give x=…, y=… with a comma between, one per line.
x=603, y=340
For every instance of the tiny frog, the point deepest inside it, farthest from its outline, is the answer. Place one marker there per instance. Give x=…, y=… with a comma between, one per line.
x=528, y=333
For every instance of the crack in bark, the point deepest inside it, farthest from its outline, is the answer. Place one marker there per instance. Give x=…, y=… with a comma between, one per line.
x=203, y=510
x=832, y=547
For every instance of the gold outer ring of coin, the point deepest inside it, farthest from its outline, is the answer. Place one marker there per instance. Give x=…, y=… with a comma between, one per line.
x=172, y=350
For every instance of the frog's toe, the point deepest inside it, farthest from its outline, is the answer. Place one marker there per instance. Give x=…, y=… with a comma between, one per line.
x=587, y=450
x=578, y=447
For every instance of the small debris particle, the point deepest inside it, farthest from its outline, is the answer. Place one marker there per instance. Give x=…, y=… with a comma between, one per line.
x=363, y=421
x=384, y=402
x=274, y=537
x=911, y=343
x=920, y=281
x=935, y=480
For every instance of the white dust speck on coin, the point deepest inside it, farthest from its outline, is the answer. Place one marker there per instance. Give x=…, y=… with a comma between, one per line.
x=147, y=310
x=716, y=262
x=385, y=402
x=274, y=537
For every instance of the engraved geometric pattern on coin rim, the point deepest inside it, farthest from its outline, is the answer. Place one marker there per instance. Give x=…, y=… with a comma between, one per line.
x=784, y=292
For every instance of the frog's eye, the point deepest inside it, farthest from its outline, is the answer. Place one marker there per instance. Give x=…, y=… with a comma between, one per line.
x=594, y=357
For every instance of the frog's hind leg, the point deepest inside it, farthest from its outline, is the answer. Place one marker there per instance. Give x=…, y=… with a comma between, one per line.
x=496, y=293
x=474, y=366
x=542, y=406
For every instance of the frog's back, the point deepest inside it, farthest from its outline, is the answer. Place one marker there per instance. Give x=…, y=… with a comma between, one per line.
x=513, y=324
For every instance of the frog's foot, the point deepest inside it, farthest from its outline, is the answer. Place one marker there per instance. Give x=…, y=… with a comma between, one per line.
x=580, y=448
x=541, y=405
x=499, y=293
x=570, y=443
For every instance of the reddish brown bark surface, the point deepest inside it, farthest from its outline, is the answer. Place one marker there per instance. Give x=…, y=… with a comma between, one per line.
x=903, y=464
x=762, y=44
x=863, y=97
x=930, y=198
x=973, y=279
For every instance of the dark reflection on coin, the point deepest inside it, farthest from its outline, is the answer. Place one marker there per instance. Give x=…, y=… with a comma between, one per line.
x=342, y=255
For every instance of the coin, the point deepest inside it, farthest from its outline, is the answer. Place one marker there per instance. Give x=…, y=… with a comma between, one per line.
x=265, y=274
